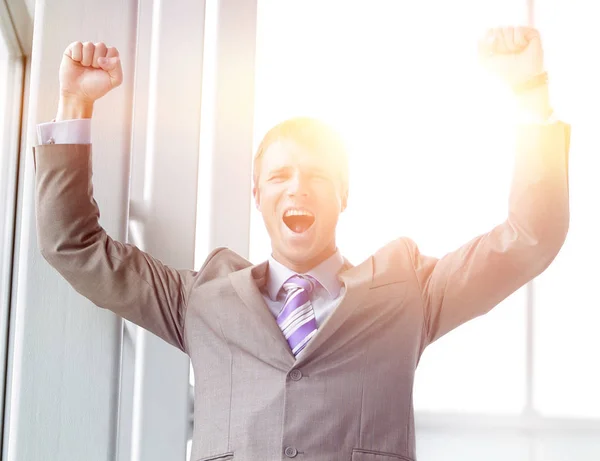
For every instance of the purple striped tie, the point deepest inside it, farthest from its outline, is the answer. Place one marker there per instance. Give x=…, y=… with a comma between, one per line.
x=297, y=318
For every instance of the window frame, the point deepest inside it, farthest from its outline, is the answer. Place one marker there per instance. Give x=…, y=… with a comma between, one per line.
x=16, y=43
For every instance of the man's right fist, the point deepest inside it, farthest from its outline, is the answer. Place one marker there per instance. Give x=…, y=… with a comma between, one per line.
x=88, y=71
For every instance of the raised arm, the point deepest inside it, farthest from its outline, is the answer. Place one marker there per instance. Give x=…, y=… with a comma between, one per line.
x=471, y=280
x=112, y=275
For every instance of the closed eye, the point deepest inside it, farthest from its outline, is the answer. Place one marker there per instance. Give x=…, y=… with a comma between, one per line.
x=279, y=176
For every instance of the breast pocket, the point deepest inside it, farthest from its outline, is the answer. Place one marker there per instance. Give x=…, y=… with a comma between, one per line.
x=392, y=292
x=221, y=457
x=358, y=454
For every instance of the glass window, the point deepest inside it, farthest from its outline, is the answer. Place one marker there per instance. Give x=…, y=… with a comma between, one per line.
x=567, y=309
x=446, y=444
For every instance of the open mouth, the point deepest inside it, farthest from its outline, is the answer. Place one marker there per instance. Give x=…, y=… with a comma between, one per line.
x=298, y=220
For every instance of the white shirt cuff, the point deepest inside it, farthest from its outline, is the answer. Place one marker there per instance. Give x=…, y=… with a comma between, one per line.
x=78, y=131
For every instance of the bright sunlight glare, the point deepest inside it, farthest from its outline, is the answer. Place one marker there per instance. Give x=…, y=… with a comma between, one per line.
x=431, y=151
x=402, y=84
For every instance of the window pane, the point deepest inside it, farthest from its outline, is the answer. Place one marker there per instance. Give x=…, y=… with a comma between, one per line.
x=478, y=368
x=583, y=446
x=567, y=371
x=431, y=152
x=450, y=445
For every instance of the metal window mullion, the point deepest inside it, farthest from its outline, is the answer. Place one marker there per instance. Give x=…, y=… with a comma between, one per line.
x=227, y=134
x=494, y=423
x=529, y=409
x=232, y=126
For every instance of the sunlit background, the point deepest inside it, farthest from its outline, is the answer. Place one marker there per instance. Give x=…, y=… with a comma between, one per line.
x=431, y=141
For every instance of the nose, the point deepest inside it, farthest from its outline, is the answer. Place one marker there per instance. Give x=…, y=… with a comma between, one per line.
x=298, y=185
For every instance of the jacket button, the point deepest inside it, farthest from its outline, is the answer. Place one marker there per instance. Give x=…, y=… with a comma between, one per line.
x=291, y=452
x=296, y=375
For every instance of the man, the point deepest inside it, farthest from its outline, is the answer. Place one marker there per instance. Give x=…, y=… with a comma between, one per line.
x=305, y=355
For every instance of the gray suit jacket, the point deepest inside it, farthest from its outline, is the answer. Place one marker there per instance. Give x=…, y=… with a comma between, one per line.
x=349, y=397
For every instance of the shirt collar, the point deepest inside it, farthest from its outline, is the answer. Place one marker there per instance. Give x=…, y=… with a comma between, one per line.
x=325, y=273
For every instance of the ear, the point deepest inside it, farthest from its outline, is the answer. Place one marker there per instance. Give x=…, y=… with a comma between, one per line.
x=344, y=202
x=256, y=194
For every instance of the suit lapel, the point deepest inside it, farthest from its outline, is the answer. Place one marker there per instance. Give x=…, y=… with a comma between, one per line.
x=247, y=283
x=357, y=281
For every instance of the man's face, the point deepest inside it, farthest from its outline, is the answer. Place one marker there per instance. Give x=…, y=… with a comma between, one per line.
x=299, y=194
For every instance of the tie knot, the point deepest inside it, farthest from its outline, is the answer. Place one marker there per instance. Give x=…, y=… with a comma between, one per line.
x=305, y=282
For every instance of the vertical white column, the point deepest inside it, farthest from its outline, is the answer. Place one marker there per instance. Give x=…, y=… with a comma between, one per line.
x=226, y=164
x=164, y=182
x=226, y=138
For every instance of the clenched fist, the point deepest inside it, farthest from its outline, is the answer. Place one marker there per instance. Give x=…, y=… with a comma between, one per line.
x=87, y=72
x=512, y=53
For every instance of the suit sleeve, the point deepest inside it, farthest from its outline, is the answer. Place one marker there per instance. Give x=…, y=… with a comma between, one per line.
x=473, y=279
x=112, y=275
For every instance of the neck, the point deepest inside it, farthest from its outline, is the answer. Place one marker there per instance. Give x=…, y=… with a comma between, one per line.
x=301, y=267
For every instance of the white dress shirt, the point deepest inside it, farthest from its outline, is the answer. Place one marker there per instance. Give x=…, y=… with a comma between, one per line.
x=326, y=295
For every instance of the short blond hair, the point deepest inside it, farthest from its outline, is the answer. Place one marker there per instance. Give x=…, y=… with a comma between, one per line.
x=312, y=134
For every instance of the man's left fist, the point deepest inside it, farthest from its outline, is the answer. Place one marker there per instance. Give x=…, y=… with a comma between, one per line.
x=512, y=53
